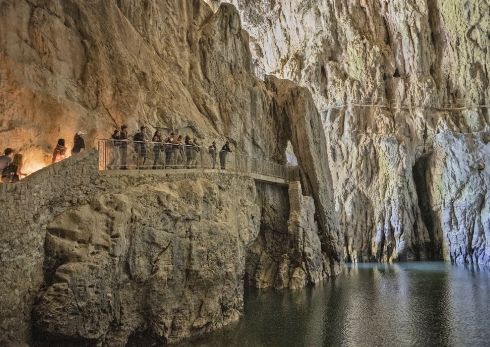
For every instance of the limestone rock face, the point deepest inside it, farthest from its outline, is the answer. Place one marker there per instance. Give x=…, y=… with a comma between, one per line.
x=117, y=260
x=287, y=253
x=459, y=168
x=165, y=259
x=71, y=65
x=424, y=64
x=111, y=259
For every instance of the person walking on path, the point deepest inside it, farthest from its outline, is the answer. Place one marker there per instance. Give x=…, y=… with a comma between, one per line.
x=78, y=143
x=222, y=154
x=157, y=147
x=6, y=159
x=213, y=153
x=178, y=152
x=59, y=152
x=123, y=147
x=116, y=143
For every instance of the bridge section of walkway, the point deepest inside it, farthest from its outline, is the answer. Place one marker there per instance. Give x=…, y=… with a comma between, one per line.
x=141, y=157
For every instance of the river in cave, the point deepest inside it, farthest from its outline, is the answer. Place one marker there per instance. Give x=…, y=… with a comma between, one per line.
x=406, y=304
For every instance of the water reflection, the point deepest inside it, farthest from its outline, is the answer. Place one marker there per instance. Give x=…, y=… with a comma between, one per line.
x=412, y=304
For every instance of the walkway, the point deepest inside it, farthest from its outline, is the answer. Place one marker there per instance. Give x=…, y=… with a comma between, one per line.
x=382, y=102
x=185, y=160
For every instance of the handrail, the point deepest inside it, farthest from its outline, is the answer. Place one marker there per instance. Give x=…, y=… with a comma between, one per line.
x=382, y=102
x=147, y=155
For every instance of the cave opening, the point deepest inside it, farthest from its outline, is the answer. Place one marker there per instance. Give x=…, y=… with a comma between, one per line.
x=422, y=178
x=291, y=158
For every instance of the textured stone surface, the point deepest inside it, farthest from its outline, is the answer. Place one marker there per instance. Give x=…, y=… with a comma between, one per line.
x=287, y=253
x=167, y=259
x=70, y=65
x=115, y=256
x=459, y=194
x=424, y=58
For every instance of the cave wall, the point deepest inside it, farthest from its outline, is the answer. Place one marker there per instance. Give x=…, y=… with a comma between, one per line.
x=97, y=254
x=70, y=65
x=424, y=63
x=102, y=257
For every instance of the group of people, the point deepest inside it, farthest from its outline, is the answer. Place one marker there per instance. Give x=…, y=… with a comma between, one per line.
x=172, y=150
x=59, y=152
x=11, y=166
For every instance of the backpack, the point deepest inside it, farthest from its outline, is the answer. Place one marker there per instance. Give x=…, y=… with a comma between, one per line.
x=8, y=173
x=138, y=137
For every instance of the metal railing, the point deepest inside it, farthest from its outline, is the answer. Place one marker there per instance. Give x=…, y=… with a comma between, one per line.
x=382, y=102
x=139, y=155
x=258, y=71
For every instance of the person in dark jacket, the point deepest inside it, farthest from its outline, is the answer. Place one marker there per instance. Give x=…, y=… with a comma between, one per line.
x=6, y=159
x=139, y=142
x=213, y=152
x=78, y=143
x=222, y=155
x=157, y=147
x=123, y=147
x=169, y=141
x=13, y=172
x=115, y=143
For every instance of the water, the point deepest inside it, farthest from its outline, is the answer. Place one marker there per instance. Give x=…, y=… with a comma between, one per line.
x=411, y=304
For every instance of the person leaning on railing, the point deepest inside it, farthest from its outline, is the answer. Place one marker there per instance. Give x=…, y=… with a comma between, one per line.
x=178, y=152
x=140, y=147
x=194, y=149
x=188, y=151
x=212, y=152
x=169, y=141
x=157, y=147
x=123, y=147
x=222, y=154
x=115, y=141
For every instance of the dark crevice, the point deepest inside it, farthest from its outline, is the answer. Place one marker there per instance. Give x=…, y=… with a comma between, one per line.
x=422, y=177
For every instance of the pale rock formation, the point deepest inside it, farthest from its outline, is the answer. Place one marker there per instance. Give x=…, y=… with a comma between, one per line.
x=417, y=60
x=136, y=259
x=310, y=147
x=459, y=194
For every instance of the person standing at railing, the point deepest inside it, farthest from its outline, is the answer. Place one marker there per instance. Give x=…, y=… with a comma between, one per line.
x=178, y=152
x=140, y=147
x=222, y=155
x=169, y=141
x=188, y=151
x=157, y=147
x=115, y=142
x=197, y=149
x=212, y=152
x=123, y=147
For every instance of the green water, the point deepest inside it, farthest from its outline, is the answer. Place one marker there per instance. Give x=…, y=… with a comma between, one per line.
x=411, y=304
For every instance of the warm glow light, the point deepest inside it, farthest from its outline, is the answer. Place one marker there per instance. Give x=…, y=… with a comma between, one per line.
x=33, y=166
